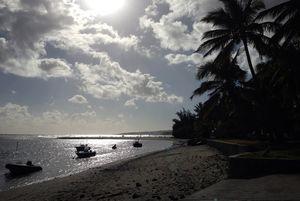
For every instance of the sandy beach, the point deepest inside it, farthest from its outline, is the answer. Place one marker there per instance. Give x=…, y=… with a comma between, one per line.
x=168, y=175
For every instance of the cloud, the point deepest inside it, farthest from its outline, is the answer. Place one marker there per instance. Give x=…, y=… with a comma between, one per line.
x=53, y=117
x=107, y=80
x=174, y=59
x=25, y=29
x=17, y=119
x=54, y=68
x=171, y=30
x=99, y=34
x=78, y=99
x=131, y=103
x=14, y=112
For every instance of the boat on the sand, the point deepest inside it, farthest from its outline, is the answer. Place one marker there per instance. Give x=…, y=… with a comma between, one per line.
x=84, y=151
x=19, y=169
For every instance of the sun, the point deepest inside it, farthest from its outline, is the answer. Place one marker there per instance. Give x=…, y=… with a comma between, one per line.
x=105, y=7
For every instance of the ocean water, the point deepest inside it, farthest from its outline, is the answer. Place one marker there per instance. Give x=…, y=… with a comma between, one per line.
x=58, y=158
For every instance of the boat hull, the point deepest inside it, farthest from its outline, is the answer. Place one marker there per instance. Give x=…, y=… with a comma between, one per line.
x=85, y=154
x=137, y=144
x=19, y=169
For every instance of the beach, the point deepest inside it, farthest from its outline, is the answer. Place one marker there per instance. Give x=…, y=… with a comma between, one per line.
x=166, y=175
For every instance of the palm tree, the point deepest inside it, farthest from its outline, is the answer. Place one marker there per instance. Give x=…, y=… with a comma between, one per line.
x=287, y=14
x=222, y=78
x=223, y=85
x=183, y=126
x=235, y=25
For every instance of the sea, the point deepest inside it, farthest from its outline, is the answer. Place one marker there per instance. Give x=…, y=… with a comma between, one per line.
x=57, y=156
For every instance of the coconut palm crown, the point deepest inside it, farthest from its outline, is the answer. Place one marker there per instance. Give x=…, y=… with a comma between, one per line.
x=287, y=14
x=235, y=25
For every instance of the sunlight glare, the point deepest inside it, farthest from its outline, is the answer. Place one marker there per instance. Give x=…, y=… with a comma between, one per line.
x=105, y=7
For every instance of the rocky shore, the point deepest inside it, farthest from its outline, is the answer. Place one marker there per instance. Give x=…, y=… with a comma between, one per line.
x=167, y=175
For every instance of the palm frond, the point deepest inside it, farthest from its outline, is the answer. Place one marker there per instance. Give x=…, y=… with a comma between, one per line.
x=215, y=33
x=274, y=11
x=206, y=70
x=212, y=44
x=218, y=18
x=205, y=87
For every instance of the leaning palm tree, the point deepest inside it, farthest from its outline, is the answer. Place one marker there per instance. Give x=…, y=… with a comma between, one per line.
x=221, y=78
x=236, y=25
x=223, y=83
x=287, y=14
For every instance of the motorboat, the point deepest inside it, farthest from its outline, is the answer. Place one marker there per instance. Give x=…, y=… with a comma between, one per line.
x=137, y=144
x=84, y=151
x=82, y=147
x=19, y=169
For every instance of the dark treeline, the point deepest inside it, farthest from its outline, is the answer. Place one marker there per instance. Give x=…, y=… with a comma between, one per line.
x=262, y=104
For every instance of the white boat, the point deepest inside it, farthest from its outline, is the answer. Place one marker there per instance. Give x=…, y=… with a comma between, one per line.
x=84, y=151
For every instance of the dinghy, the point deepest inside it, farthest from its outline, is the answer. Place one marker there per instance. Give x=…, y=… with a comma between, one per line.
x=19, y=169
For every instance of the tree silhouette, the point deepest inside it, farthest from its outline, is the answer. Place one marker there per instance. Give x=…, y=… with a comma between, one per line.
x=287, y=14
x=235, y=25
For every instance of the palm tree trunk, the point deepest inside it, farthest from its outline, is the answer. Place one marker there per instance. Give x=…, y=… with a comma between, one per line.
x=249, y=59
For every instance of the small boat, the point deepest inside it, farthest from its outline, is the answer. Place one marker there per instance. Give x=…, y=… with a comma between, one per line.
x=19, y=169
x=114, y=147
x=82, y=147
x=137, y=144
x=84, y=151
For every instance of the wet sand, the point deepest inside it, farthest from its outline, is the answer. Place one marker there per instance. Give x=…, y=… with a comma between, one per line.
x=167, y=175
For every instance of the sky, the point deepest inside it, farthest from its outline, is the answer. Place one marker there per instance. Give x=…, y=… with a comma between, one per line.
x=99, y=66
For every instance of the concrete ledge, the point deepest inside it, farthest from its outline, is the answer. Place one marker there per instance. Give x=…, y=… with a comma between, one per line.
x=228, y=148
x=268, y=188
x=247, y=167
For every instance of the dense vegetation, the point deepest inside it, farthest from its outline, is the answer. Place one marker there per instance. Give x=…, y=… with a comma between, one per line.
x=262, y=104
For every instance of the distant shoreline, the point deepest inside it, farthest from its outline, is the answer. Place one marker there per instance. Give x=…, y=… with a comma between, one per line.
x=119, y=138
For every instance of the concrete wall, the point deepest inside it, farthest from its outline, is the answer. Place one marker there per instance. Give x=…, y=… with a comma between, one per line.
x=242, y=167
x=231, y=148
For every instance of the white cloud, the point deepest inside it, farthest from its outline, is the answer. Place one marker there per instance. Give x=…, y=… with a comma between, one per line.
x=170, y=30
x=84, y=116
x=98, y=34
x=14, y=112
x=54, y=68
x=107, y=80
x=27, y=25
x=78, y=99
x=182, y=58
x=54, y=117
x=131, y=103
x=30, y=25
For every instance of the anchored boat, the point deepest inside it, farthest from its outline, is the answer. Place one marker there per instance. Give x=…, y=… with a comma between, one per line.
x=137, y=144
x=84, y=151
x=19, y=169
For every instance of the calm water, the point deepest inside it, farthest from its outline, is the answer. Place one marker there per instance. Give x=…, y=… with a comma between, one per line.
x=57, y=156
